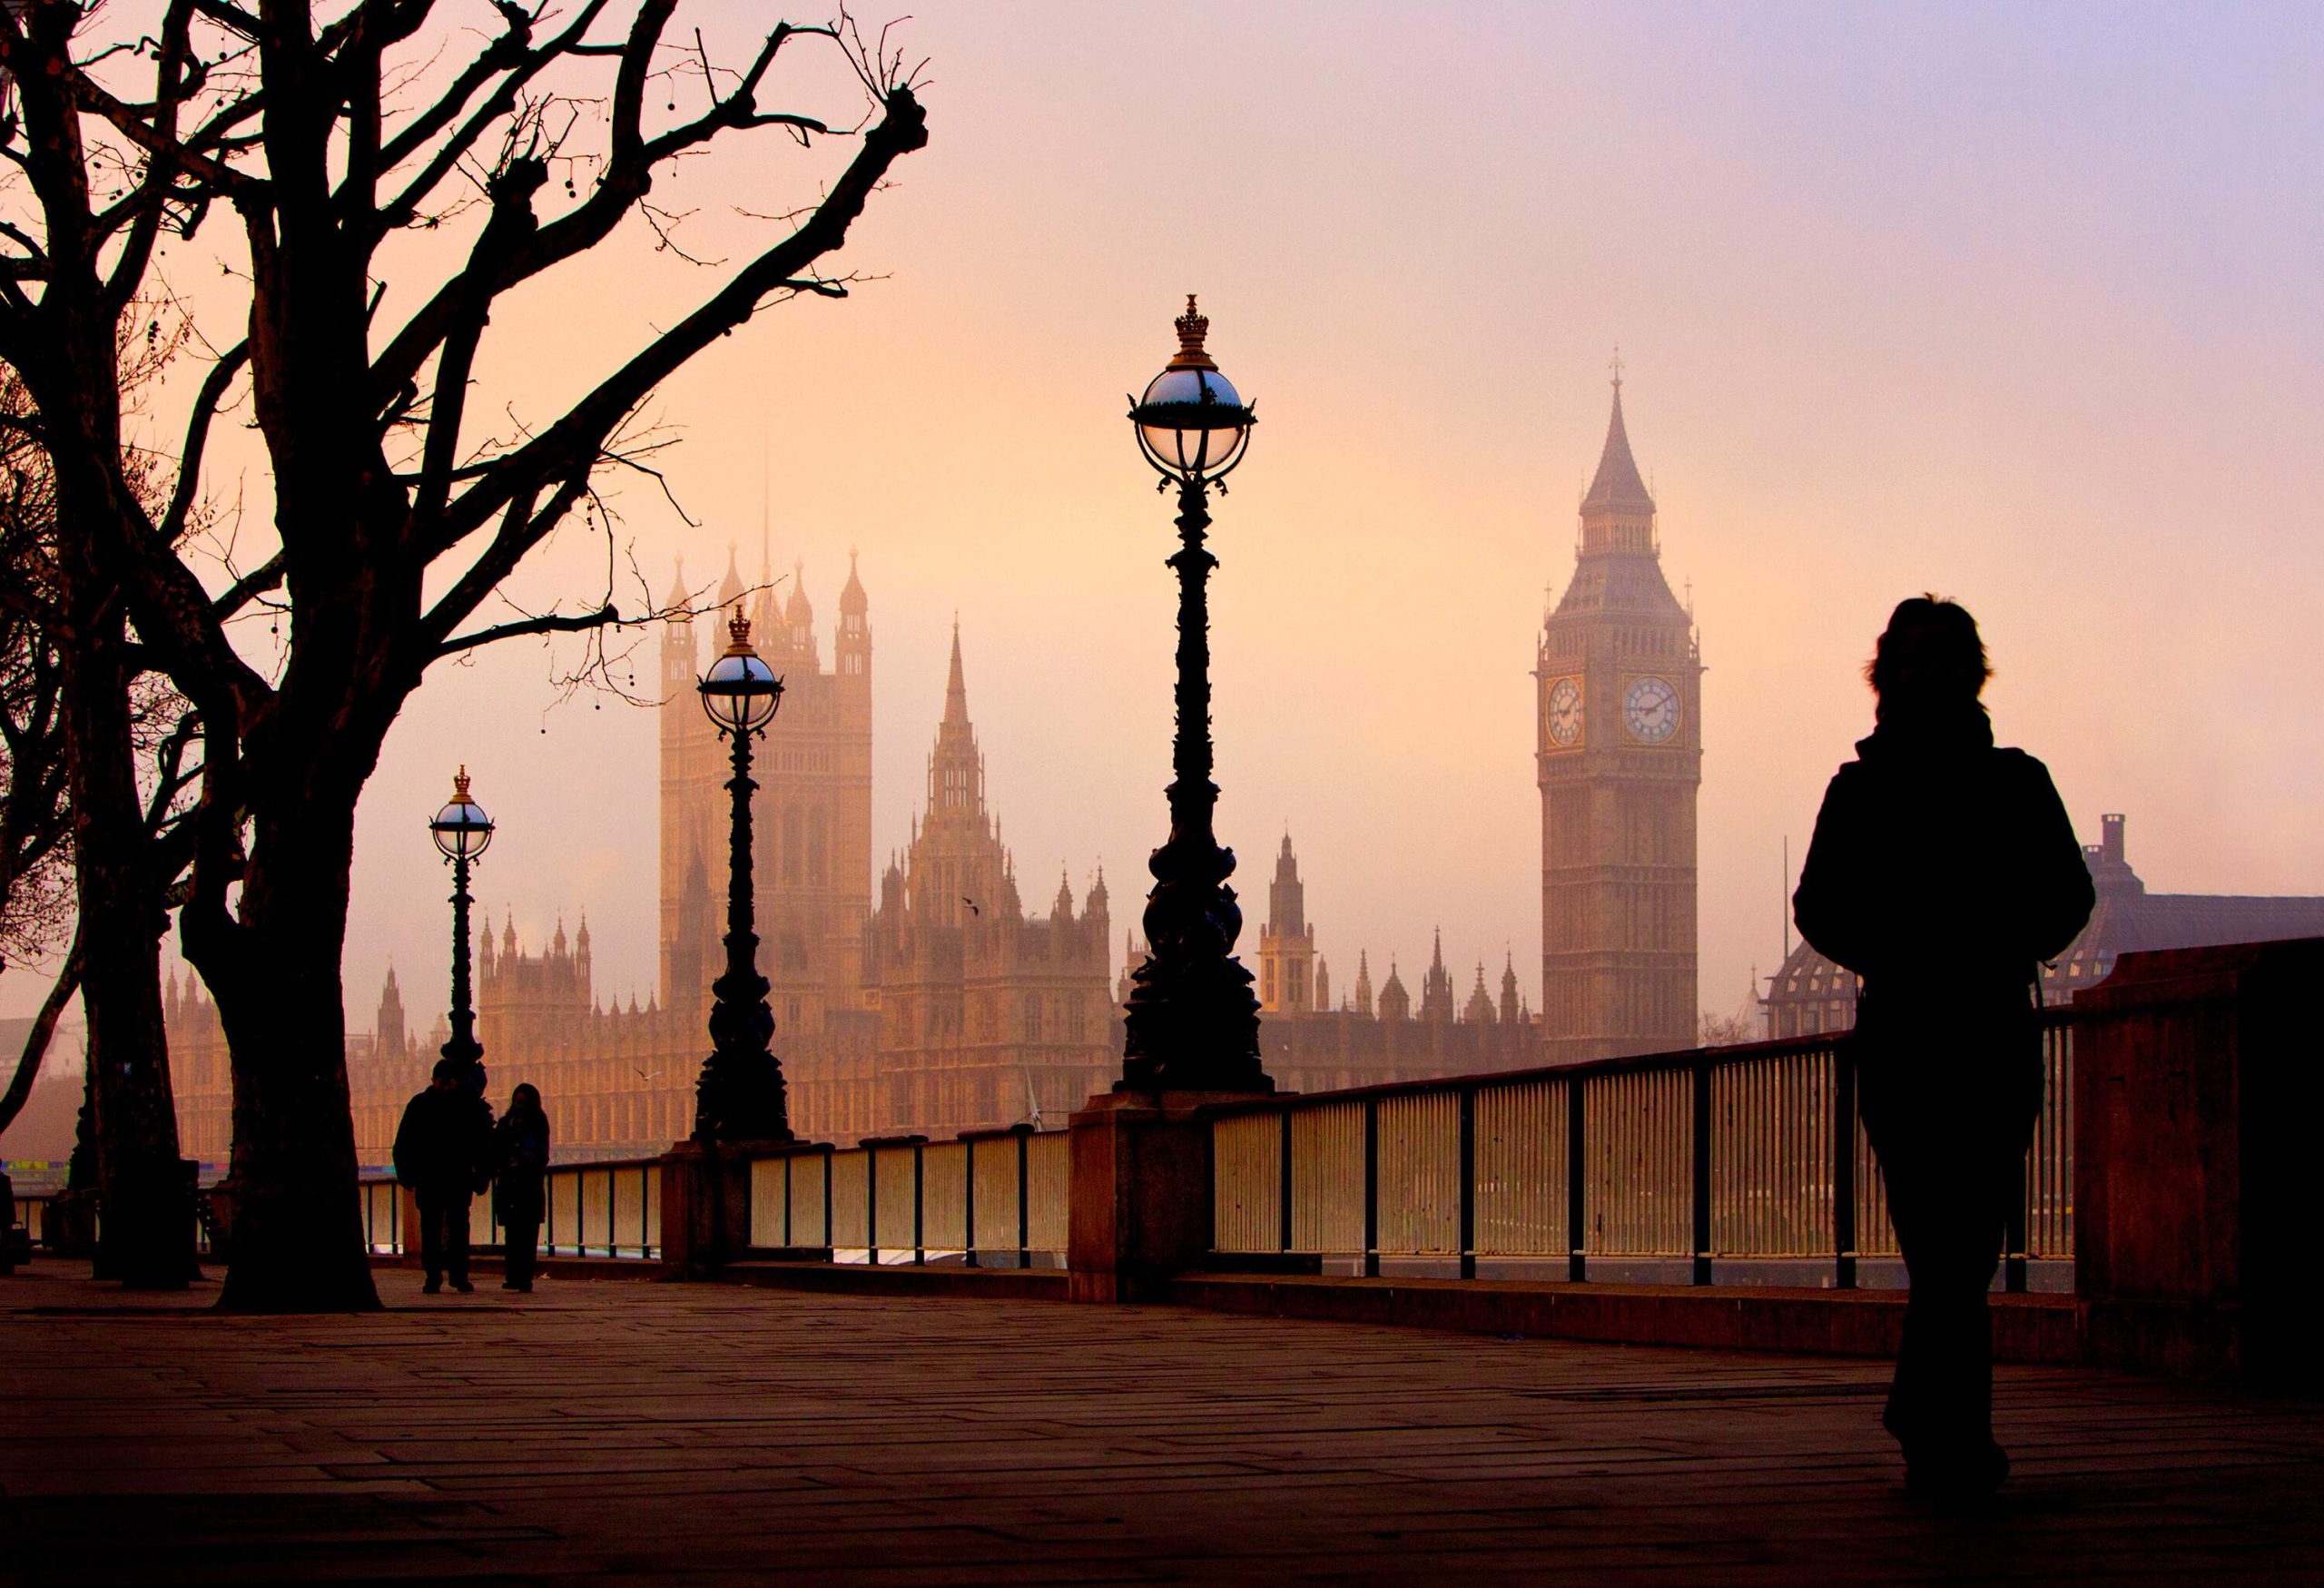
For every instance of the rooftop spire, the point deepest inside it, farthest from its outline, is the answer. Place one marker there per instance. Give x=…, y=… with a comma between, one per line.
x=730, y=590
x=850, y=595
x=797, y=609
x=1617, y=487
x=956, y=689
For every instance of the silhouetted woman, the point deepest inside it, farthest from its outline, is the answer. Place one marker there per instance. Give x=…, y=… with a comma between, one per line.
x=1944, y=871
x=520, y=1157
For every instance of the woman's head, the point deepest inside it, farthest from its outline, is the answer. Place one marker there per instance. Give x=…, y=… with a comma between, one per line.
x=526, y=1095
x=1930, y=655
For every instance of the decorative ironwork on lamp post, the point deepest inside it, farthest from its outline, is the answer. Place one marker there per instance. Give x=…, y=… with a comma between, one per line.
x=740, y=1096
x=1192, y=1023
x=462, y=832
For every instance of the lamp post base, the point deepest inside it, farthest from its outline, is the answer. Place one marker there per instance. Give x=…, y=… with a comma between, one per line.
x=1141, y=1208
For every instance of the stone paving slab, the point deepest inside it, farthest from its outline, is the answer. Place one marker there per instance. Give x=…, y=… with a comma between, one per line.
x=611, y=1432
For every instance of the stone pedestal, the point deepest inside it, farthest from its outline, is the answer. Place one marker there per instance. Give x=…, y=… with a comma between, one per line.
x=1140, y=1199
x=2197, y=1107
x=706, y=1202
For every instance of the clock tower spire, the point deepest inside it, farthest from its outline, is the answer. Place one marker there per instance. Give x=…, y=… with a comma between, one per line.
x=1617, y=735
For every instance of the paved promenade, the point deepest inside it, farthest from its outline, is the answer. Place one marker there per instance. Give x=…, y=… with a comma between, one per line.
x=602, y=1432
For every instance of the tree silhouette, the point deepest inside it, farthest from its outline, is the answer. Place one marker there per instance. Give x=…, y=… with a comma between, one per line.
x=311, y=141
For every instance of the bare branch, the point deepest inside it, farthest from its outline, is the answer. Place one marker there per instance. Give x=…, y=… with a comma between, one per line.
x=548, y=623
x=221, y=374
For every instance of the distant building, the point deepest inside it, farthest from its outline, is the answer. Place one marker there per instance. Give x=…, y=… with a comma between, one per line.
x=987, y=1016
x=947, y=1008
x=1316, y=1046
x=1618, y=741
x=1811, y=994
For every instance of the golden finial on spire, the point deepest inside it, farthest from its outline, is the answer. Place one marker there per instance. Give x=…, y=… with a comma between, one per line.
x=1193, y=326
x=1616, y=366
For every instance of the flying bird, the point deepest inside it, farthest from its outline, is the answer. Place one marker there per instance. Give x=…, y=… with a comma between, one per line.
x=971, y=903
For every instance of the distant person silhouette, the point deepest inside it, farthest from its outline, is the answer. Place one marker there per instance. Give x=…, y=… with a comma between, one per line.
x=443, y=1153
x=519, y=1177
x=1944, y=871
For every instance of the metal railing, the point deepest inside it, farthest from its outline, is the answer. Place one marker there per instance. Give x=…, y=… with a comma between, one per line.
x=1752, y=1153
x=607, y=1208
x=991, y=1199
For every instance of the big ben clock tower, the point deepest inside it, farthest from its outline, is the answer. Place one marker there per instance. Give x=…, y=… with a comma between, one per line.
x=1617, y=735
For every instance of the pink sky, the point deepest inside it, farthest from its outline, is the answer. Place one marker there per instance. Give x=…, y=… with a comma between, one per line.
x=2021, y=307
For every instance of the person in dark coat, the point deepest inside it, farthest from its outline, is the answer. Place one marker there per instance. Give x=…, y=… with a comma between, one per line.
x=1944, y=871
x=443, y=1153
x=519, y=1177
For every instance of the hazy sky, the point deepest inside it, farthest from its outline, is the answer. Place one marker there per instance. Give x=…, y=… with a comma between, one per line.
x=2018, y=304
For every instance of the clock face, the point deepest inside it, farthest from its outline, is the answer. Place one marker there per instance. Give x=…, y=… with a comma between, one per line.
x=1564, y=711
x=1651, y=710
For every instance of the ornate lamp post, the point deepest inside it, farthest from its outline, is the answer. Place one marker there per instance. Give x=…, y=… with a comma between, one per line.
x=462, y=832
x=1192, y=1023
x=740, y=1096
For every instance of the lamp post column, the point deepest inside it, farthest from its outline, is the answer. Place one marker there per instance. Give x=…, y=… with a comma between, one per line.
x=1192, y=1023
x=742, y=1082
x=462, y=832
x=741, y=1095
x=463, y=1047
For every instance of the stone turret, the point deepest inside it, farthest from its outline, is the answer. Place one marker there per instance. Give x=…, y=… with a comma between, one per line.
x=1396, y=1003
x=389, y=1042
x=1480, y=1005
x=1436, y=986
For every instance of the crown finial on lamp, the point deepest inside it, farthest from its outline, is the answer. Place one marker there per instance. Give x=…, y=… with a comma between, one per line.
x=461, y=784
x=738, y=635
x=1194, y=325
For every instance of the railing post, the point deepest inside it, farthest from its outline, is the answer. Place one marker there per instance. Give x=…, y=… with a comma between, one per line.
x=1283, y=1191
x=548, y=1212
x=1577, y=1185
x=612, y=1216
x=789, y=1168
x=1843, y=1167
x=872, y=1203
x=829, y=1226
x=1702, y=1155
x=1371, y=1188
x=919, y=1203
x=1024, y=1199
x=968, y=1203
x=1467, y=1183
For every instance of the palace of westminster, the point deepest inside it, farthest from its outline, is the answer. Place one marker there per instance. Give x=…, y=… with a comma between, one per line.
x=937, y=1004
x=931, y=1001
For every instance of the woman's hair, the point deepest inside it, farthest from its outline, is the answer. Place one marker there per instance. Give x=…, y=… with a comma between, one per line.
x=526, y=1092
x=1930, y=649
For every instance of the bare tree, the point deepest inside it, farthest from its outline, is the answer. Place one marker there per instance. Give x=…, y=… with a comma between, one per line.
x=35, y=816
x=54, y=787
x=35, y=819
x=393, y=519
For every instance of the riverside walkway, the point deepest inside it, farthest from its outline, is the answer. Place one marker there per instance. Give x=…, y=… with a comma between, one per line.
x=642, y=1433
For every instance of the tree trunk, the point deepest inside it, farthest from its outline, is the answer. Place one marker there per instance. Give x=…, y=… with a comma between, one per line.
x=298, y=1232
x=144, y=1195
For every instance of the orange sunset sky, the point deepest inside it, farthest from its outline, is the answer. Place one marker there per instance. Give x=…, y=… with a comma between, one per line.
x=2016, y=304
